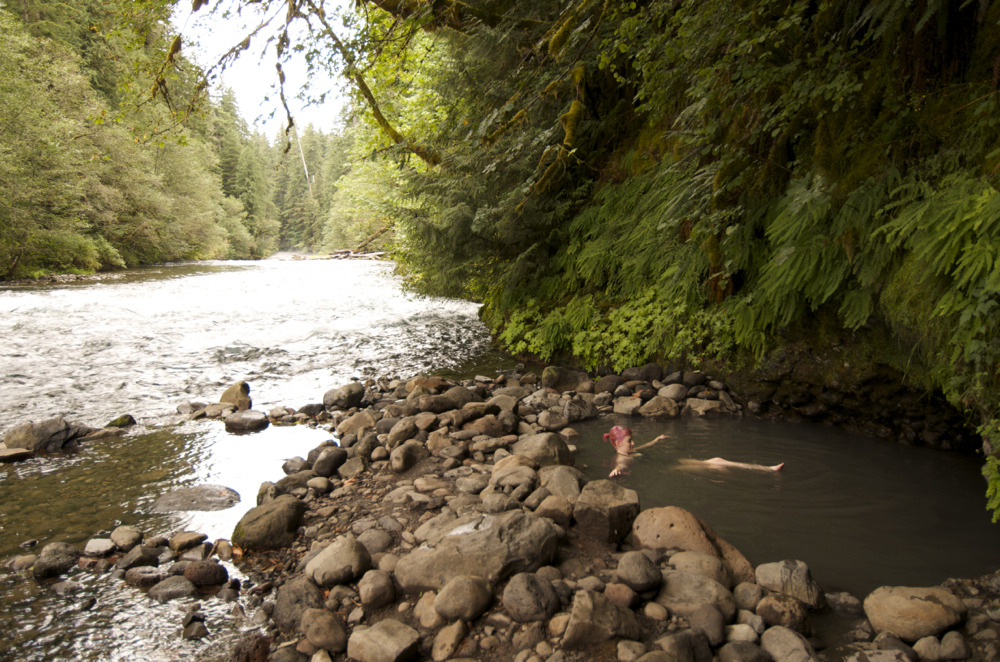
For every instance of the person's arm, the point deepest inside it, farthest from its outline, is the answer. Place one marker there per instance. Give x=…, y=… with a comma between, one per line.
x=647, y=445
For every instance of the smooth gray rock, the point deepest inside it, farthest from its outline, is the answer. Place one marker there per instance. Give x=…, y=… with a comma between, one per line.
x=126, y=537
x=545, y=449
x=913, y=612
x=342, y=561
x=270, y=526
x=324, y=630
x=47, y=436
x=562, y=480
x=344, y=397
x=376, y=589
x=329, y=460
x=138, y=556
x=199, y=497
x=527, y=597
x=172, y=588
x=387, y=641
x=636, y=571
x=99, y=547
x=247, y=421
x=683, y=592
x=407, y=455
x=465, y=597
x=787, y=645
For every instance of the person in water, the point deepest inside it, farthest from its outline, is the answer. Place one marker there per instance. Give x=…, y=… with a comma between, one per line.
x=620, y=438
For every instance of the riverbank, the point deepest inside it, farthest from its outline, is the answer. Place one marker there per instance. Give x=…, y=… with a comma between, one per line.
x=449, y=523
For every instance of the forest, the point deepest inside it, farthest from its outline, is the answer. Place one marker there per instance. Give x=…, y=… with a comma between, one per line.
x=616, y=182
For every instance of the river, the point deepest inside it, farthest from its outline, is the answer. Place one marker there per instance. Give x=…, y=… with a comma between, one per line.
x=861, y=512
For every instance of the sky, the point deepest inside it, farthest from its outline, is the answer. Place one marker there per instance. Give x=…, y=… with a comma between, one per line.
x=253, y=78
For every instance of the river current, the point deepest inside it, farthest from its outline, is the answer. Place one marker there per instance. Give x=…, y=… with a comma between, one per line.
x=861, y=512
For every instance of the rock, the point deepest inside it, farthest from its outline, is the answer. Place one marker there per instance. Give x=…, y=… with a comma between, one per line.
x=356, y=424
x=387, y=641
x=15, y=454
x=579, y=408
x=627, y=406
x=707, y=620
x=954, y=646
x=743, y=651
x=636, y=571
x=407, y=456
x=557, y=508
x=48, y=436
x=685, y=645
x=552, y=421
x=206, y=573
x=246, y=421
x=126, y=537
x=748, y=595
x=700, y=563
x=659, y=406
x=699, y=408
x=676, y=392
x=123, y=421
x=465, y=598
x=99, y=547
x=491, y=546
x=912, y=613
x=344, y=397
x=376, y=589
x=671, y=527
x=324, y=630
x=239, y=395
x=527, y=597
x=186, y=540
x=787, y=645
x=844, y=603
x=138, y=556
x=329, y=460
x=294, y=465
x=594, y=619
x=447, y=641
x=143, y=576
x=561, y=480
x=605, y=511
x=270, y=526
x=376, y=540
x=340, y=562
x=195, y=630
x=783, y=610
x=200, y=498
x=172, y=588
x=294, y=597
x=791, y=578
x=684, y=592
x=545, y=449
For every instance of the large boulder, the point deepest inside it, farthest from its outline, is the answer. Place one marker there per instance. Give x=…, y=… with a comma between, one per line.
x=605, y=510
x=672, y=527
x=344, y=397
x=271, y=526
x=490, y=546
x=595, y=619
x=239, y=395
x=913, y=612
x=545, y=449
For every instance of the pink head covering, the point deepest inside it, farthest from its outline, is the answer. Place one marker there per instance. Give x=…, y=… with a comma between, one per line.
x=617, y=435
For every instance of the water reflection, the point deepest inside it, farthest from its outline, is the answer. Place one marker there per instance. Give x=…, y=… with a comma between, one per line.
x=114, y=481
